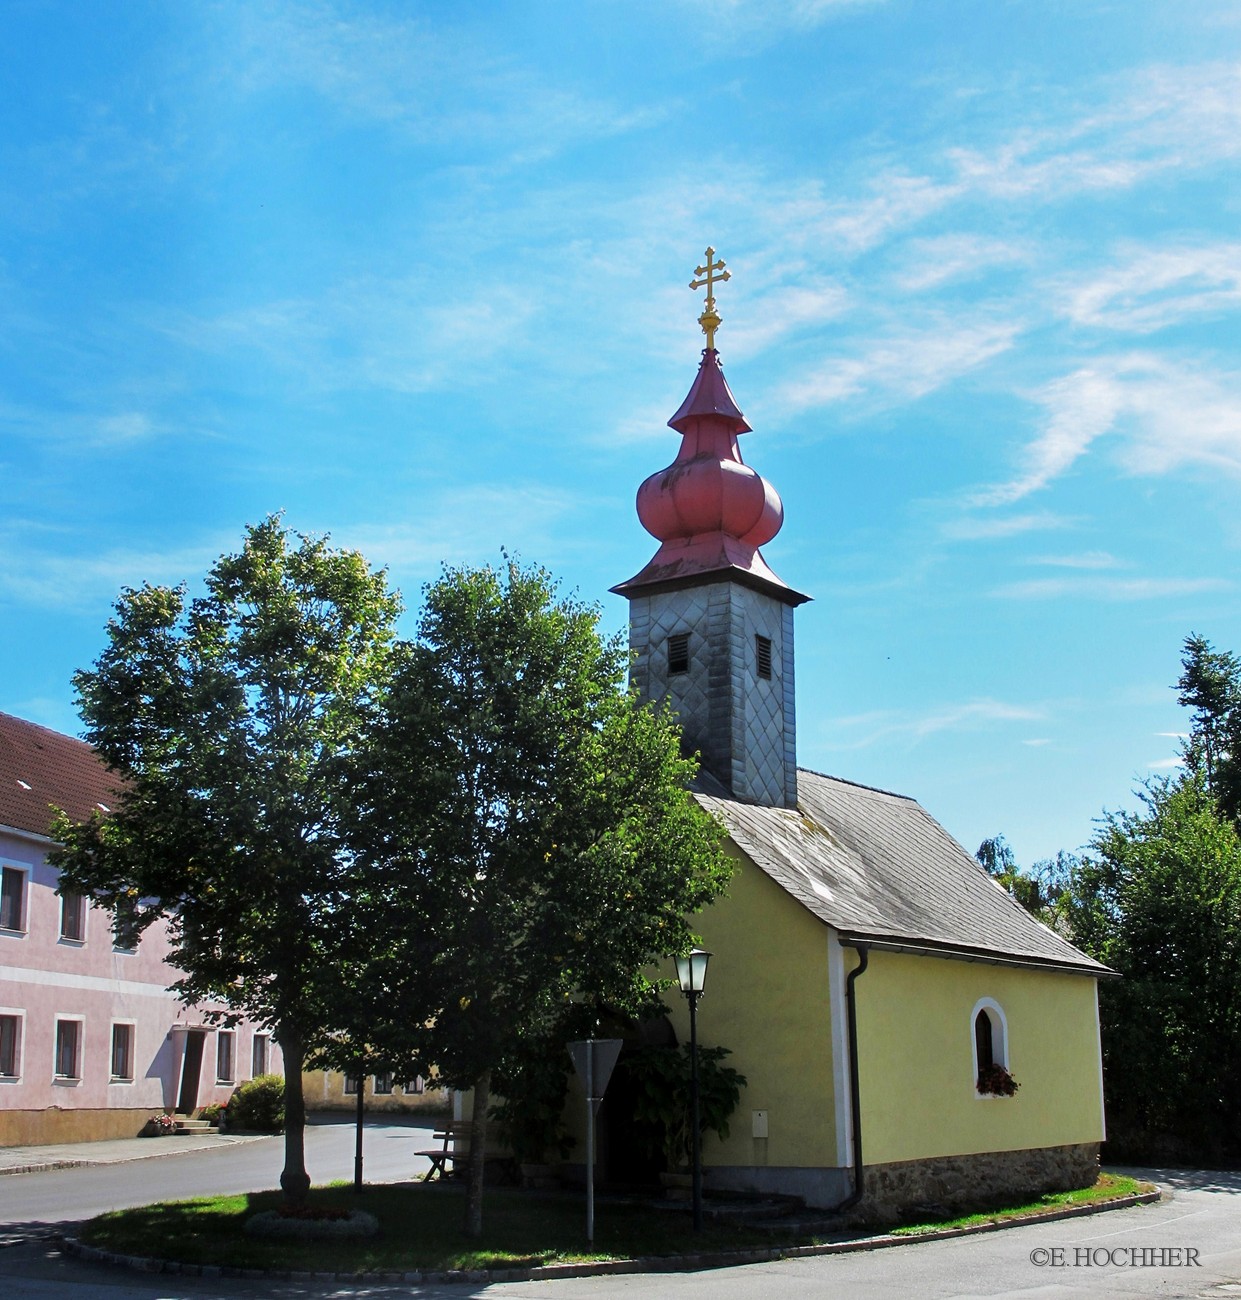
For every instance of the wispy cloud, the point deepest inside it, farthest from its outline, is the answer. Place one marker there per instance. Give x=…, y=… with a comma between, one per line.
x=1084, y=560
x=932, y=263
x=863, y=730
x=1168, y=414
x=1110, y=589
x=907, y=365
x=981, y=527
x=1165, y=764
x=1152, y=287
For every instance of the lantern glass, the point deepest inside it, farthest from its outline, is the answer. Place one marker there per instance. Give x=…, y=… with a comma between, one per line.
x=692, y=970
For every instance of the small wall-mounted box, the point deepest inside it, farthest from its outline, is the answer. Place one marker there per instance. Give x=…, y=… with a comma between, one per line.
x=758, y=1123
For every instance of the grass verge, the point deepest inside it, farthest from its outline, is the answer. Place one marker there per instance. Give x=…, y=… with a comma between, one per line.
x=421, y=1229
x=1108, y=1188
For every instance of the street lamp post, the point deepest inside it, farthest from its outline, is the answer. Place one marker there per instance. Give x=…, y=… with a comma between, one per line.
x=692, y=976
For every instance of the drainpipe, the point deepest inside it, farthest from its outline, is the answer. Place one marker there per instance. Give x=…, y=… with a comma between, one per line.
x=855, y=1091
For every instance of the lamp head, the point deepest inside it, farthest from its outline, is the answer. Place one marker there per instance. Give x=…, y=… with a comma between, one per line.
x=692, y=971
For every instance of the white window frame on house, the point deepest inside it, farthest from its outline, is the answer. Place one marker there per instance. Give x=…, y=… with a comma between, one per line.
x=69, y=903
x=414, y=1087
x=19, y=1039
x=260, y=1046
x=118, y=942
x=128, y=1075
x=999, y=1041
x=78, y=1049
x=226, y=1056
x=21, y=869
x=351, y=1085
x=381, y=1084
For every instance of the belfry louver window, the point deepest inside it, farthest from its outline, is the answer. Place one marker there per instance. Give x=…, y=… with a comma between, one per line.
x=678, y=653
x=762, y=656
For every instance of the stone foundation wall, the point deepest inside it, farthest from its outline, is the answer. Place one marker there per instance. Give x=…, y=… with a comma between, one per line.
x=891, y=1192
x=32, y=1128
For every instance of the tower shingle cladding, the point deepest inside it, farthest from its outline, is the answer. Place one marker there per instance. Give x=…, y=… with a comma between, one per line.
x=744, y=726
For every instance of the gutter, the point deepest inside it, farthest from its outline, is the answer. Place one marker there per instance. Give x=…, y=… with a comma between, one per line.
x=855, y=1089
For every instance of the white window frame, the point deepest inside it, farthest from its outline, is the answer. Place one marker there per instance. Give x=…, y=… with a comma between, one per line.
x=23, y=868
x=17, y=1014
x=999, y=1043
x=223, y=1036
x=82, y=904
x=352, y=1084
x=383, y=1078
x=69, y=1080
x=265, y=1040
x=132, y=1026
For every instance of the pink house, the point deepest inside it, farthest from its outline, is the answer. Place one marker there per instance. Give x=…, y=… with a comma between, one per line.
x=92, y=1043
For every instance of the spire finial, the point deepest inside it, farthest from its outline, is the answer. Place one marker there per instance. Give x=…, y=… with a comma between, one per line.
x=710, y=273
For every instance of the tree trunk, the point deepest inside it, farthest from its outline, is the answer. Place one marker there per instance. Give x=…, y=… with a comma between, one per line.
x=478, y=1157
x=294, y=1180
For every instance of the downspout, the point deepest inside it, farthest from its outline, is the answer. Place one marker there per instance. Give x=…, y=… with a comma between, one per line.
x=855, y=1090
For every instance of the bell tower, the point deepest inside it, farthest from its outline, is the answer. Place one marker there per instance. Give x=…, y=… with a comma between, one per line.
x=710, y=624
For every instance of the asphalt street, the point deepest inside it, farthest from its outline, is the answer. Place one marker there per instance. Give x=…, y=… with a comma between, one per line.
x=1115, y=1256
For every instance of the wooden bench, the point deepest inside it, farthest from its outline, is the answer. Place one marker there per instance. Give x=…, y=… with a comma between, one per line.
x=454, y=1146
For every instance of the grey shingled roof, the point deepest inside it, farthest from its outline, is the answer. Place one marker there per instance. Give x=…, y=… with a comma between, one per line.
x=877, y=867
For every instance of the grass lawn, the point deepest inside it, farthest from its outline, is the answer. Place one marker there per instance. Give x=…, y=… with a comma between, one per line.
x=421, y=1229
x=1108, y=1188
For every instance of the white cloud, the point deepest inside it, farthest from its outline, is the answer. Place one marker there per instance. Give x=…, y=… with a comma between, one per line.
x=906, y=365
x=1083, y=560
x=974, y=715
x=1165, y=764
x=1109, y=589
x=934, y=262
x=1167, y=414
x=974, y=528
x=1153, y=287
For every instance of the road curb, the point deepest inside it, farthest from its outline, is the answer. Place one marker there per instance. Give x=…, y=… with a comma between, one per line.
x=602, y=1268
x=48, y=1166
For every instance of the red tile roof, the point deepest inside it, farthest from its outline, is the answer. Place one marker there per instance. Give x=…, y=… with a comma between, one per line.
x=39, y=768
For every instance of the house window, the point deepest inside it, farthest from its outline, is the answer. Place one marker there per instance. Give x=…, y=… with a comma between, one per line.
x=10, y=1046
x=414, y=1087
x=124, y=926
x=259, y=1055
x=762, y=656
x=678, y=653
x=351, y=1085
x=383, y=1083
x=989, y=1028
x=224, y=1055
x=73, y=917
x=68, y=1049
x=122, y=1053
x=13, y=900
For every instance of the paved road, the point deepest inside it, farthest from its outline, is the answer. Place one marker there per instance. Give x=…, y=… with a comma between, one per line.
x=1202, y=1214
x=32, y=1202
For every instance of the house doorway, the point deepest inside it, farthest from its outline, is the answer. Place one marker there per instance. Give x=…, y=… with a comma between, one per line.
x=191, y=1071
x=624, y=1161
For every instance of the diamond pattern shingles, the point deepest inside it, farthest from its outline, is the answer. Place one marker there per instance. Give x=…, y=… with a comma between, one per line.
x=40, y=768
x=877, y=866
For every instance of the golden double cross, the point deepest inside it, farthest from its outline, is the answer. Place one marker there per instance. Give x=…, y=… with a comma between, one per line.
x=712, y=272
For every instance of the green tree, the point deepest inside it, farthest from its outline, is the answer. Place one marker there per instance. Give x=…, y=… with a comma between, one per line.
x=1210, y=685
x=1158, y=898
x=534, y=818
x=229, y=719
x=1040, y=890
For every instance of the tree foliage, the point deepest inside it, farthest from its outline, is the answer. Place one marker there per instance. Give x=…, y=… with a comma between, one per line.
x=1158, y=898
x=534, y=818
x=1210, y=685
x=230, y=718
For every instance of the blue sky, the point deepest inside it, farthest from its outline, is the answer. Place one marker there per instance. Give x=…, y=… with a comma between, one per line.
x=417, y=275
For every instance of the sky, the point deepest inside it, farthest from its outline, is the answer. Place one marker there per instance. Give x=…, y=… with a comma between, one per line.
x=417, y=275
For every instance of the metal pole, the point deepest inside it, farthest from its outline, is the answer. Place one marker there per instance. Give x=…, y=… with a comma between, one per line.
x=590, y=1144
x=693, y=1053
x=357, y=1146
